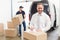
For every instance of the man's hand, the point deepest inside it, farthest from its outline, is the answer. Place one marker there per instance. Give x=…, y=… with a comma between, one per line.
x=24, y=16
x=39, y=30
x=32, y=28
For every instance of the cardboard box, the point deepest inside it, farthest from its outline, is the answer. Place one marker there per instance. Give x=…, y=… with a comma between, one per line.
x=35, y=35
x=10, y=25
x=1, y=29
x=11, y=33
x=20, y=18
x=15, y=21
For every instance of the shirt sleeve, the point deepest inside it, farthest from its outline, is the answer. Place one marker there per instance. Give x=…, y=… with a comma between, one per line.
x=32, y=21
x=16, y=13
x=23, y=13
x=48, y=24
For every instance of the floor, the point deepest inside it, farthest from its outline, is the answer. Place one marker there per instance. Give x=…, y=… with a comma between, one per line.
x=59, y=38
x=2, y=37
x=10, y=38
x=15, y=38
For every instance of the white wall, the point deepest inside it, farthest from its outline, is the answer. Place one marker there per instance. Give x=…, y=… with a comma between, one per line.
x=5, y=11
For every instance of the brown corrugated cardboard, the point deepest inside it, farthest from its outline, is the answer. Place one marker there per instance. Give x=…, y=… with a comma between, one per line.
x=1, y=29
x=10, y=25
x=11, y=33
x=35, y=35
x=15, y=21
x=20, y=18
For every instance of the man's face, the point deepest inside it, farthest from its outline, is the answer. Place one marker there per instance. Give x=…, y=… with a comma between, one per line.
x=40, y=8
x=20, y=9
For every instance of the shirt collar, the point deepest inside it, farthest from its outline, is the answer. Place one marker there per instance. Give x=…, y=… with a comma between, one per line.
x=40, y=14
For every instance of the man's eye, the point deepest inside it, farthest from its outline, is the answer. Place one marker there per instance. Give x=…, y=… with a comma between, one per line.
x=39, y=8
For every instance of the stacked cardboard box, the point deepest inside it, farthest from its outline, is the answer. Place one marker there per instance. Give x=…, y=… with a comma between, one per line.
x=35, y=35
x=20, y=18
x=15, y=21
x=1, y=29
x=12, y=26
x=11, y=32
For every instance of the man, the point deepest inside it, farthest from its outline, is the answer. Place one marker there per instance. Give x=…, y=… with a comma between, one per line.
x=23, y=15
x=40, y=21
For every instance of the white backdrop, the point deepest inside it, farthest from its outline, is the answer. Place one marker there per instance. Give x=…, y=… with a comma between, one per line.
x=5, y=11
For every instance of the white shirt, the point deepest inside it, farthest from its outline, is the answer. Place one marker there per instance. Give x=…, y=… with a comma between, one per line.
x=41, y=21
